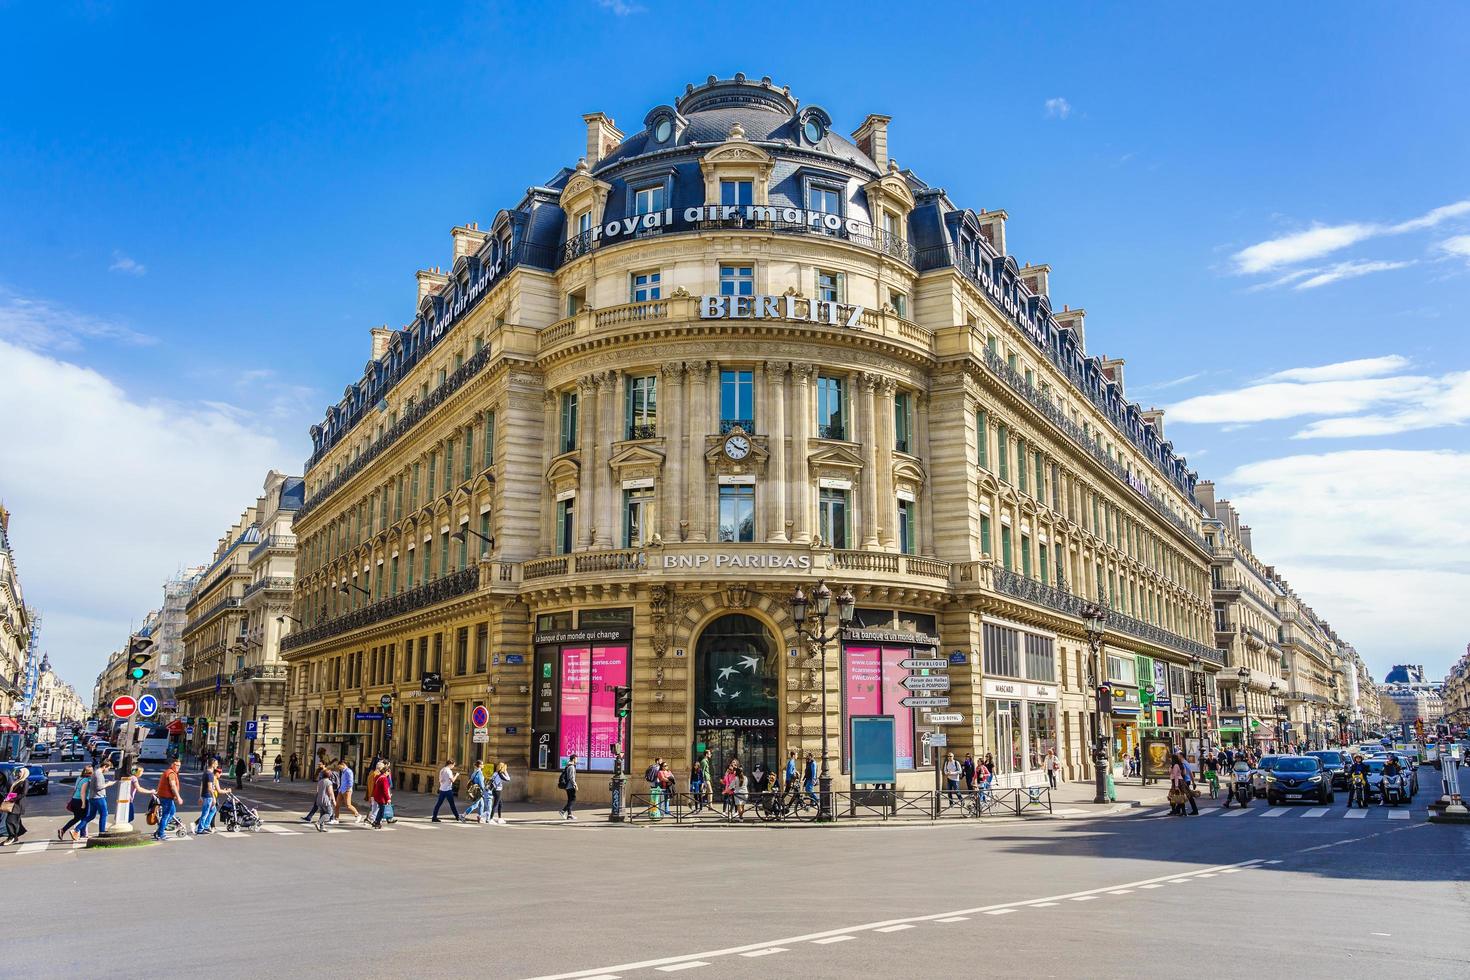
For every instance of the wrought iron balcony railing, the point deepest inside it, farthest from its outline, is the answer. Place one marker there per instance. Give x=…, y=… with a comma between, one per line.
x=430, y=593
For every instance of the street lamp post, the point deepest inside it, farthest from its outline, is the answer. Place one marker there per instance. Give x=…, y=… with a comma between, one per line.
x=1094, y=621
x=463, y=533
x=819, y=606
x=1244, y=673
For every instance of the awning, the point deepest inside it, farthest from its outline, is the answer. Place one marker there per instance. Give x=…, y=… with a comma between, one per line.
x=176, y=727
x=9, y=724
x=1229, y=728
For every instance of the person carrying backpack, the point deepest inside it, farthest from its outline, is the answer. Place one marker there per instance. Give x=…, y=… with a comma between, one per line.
x=567, y=781
x=655, y=791
x=479, y=799
x=498, y=784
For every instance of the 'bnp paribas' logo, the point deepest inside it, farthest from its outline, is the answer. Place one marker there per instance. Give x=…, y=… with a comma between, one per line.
x=780, y=308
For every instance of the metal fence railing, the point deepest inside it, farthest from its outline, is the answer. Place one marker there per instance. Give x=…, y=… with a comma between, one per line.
x=797, y=807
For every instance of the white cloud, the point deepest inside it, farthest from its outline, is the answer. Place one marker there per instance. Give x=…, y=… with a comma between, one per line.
x=41, y=325
x=1363, y=397
x=1058, y=108
x=1320, y=240
x=1458, y=246
x=1371, y=539
x=126, y=264
x=111, y=494
x=1364, y=367
x=1347, y=270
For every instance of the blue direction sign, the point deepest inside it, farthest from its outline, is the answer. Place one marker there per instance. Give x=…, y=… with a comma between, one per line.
x=147, y=706
x=250, y=731
x=369, y=716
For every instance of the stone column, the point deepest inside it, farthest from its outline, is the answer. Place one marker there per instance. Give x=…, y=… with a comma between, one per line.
x=800, y=479
x=867, y=417
x=587, y=456
x=550, y=443
x=775, y=488
x=697, y=498
x=887, y=438
x=671, y=426
x=610, y=417
x=924, y=520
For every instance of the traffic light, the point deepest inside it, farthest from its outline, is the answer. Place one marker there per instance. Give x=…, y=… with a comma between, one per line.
x=1105, y=699
x=624, y=700
x=139, y=658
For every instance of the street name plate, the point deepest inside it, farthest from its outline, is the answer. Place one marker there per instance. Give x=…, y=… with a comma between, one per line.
x=936, y=702
x=934, y=682
x=936, y=739
x=946, y=718
x=940, y=664
x=481, y=735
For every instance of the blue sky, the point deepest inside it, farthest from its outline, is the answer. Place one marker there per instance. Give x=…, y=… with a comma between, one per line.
x=202, y=213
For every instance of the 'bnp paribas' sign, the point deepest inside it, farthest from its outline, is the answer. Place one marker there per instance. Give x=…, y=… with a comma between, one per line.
x=780, y=308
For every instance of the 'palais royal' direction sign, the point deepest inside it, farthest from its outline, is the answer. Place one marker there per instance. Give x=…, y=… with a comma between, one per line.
x=780, y=308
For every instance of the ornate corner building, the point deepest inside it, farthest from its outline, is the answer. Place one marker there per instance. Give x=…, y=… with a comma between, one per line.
x=729, y=354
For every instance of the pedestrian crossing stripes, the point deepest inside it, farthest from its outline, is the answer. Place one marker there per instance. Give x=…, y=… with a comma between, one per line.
x=1316, y=812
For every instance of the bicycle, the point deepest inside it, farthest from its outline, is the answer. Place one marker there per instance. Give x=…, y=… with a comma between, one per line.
x=978, y=803
x=775, y=807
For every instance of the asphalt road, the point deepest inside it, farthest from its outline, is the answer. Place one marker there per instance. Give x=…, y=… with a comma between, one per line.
x=1314, y=893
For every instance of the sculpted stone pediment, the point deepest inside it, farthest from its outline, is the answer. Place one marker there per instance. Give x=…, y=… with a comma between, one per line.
x=636, y=460
x=834, y=456
x=564, y=471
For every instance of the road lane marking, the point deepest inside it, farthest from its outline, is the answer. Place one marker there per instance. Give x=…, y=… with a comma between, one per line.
x=1229, y=871
x=34, y=847
x=765, y=952
x=1275, y=811
x=1398, y=814
x=846, y=933
x=1150, y=886
x=1236, y=813
x=991, y=912
x=1045, y=905
x=1122, y=891
x=1316, y=811
x=1207, y=874
x=955, y=918
x=273, y=828
x=1084, y=898
x=1355, y=814
x=686, y=965
x=898, y=928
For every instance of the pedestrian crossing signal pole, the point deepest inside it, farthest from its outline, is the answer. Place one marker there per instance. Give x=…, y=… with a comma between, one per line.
x=623, y=703
x=1094, y=619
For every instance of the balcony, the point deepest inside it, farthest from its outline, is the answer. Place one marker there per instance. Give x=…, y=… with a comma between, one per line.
x=838, y=431
x=728, y=424
x=648, y=431
x=285, y=542
x=260, y=672
x=410, y=418
x=1033, y=395
x=431, y=593
x=270, y=584
x=852, y=232
x=229, y=602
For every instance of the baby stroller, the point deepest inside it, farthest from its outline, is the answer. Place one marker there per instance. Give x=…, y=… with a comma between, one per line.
x=237, y=814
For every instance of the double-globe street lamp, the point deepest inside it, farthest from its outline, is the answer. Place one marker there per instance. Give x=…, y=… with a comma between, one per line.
x=1244, y=673
x=819, y=606
x=1094, y=621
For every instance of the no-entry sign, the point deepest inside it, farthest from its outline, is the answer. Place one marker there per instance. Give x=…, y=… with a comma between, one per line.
x=123, y=706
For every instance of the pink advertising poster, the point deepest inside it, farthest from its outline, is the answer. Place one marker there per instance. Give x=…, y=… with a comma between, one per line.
x=860, y=690
x=893, y=694
x=609, y=670
x=575, y=664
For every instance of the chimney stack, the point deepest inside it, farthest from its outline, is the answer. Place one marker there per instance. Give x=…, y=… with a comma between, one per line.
x=1112, y=368
x=430, y=282
x=1204, y=495
x=993, y=227
x=1155, y=417
x=1245, y=538
x=1036, y=278
x=381, y=336
x=467, y=240
x=1073, y=320
x=602, y=136
x=872, y=138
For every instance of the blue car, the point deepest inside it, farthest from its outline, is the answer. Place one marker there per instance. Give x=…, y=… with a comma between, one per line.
x=37, y=782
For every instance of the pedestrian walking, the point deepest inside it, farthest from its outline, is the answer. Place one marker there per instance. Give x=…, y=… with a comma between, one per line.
x=240, y=765
x=97, y=804
x=952, y=780
x=1191, y=788
x=696, y=784
x=381, y=790
x=168, y=799
x=1051, y=764
x=326, y=799
x=809, y=779
x=14, y=807
x=135, y=790
x=447, y=776
x=346, y=783
x=280, y=764
x=789, y=777
x=967, y=770
x=727, y=790
x=293, y=768
x=209, y=793
x=983, y=776
x=477, y=794
x=322, y=766
x=567, y=781
x=665, y=786
x=742, y=791
x=498, y=785
x=1178, y=786
x=81, y=797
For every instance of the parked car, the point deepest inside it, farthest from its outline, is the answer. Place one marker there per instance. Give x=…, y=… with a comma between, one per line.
x=1335, y=764
x=1299, y=777
x=37, y=783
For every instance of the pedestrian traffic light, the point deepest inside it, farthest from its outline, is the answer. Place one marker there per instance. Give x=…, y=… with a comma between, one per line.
x=1105, y=699
x=139, y=658
x=624, y=700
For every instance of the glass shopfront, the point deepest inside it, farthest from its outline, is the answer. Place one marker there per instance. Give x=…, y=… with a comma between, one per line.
x=576, y=670
x=1020, y=728
x=737, y=694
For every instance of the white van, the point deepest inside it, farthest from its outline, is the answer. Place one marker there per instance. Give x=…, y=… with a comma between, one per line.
x=153, y=748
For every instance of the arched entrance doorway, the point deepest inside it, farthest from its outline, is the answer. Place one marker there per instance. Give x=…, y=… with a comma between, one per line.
x=737, y=694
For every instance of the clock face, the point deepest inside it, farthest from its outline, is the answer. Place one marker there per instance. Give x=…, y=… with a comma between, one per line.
x=737, y=447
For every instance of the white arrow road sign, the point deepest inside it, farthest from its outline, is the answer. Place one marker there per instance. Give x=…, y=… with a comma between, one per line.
x=945, y=718
x=934, y=682
x=938, y=702
x=940, y=664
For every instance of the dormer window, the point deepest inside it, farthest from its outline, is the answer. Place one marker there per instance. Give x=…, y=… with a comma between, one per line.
x=813, y=130
x=663, y=129
x=738, y=192
x=648, y=200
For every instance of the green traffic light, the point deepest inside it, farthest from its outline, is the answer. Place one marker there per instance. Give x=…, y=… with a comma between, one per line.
x=137, y=673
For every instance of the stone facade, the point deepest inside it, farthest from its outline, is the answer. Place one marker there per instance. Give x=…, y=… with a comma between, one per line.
x=15, y=626
x=619, y=452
